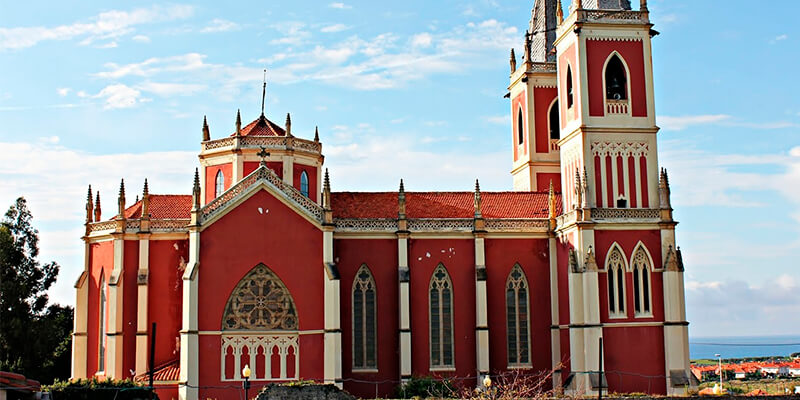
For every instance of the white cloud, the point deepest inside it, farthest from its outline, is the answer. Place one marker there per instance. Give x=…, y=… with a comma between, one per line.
x=171, y=89
x=109, y=45
x=63, y=91
x=340, y=6
x=498, y=119
x=141, y=39
x=57, y=196
x=109, y=24
x=683, y=122
x=334, y=28
x=421, y=40
x=155, y=65
x=294, y=33
x=780, y=38
x=744, y=307
x=220, y=25
x=120, y=96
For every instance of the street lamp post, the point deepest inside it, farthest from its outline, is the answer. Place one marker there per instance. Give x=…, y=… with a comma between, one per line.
x=720, y=371
x=246, y=383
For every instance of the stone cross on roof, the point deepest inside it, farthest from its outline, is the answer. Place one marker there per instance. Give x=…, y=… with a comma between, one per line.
x=263, y=154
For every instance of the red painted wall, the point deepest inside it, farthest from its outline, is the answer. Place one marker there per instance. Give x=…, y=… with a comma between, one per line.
x=168, y=259
x=129, y=307
x=284, y=241
x=249, y=166
x=517, y=103
x=634, y=359
x=380, y=255
x=597, y=51
x=312, y=179
x=543, y=180
x=101, y=262
x=628, y=240
x=458, y=257
x=563, y=245
x=533, y=257
x=211, y=175
x=568, y=58
x=543, y=98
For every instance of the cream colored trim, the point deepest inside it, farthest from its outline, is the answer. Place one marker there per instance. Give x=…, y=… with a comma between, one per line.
x=189, y=374
x=481, y=310
x=363, y=327
x=142, y=289
x=517, y=330
x=608, y=267
x=447, y=281
x=649, y=271
x=405, y=307
x=332, y=337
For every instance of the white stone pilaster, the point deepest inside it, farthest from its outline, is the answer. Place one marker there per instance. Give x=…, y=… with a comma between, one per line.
x=333, y=331
x=404, y=275
x=555, y=334
x=676, y=328
x=114, y=340
x=481, y=308
x=288, y=170
x=80, y=322
x=142, y=280
x=188, y=379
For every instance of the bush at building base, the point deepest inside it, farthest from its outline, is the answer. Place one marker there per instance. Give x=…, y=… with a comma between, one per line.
x=94, y=389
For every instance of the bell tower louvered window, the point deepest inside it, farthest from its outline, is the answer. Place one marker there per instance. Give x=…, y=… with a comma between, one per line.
x=441, y=319
x=517, y=318
x=364, y=321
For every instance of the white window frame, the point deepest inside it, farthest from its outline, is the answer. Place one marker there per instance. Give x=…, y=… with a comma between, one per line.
x=613, y=266
x=522, y=284
x=449, y=284
x=641, y=259
x=358, y=288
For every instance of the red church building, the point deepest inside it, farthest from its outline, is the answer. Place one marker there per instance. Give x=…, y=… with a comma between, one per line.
x=264, y=265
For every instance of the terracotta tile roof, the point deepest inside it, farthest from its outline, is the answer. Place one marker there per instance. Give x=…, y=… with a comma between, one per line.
x=262, y=127
x=163, y=206
x=442, y=204
x=167, y=372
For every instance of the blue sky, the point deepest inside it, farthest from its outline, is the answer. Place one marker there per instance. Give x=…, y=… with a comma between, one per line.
x=96, y=91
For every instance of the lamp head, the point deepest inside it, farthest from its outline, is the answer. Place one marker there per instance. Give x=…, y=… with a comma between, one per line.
x=246, y=372
x=487, y=381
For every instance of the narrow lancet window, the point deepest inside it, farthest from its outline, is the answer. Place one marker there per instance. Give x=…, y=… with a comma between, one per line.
x=641, y=282
x=615, y=273
x=569, y=87
x=616, y=80
x=304, y=183
x=219, y=184
x=441, y=319
x=555, y=129
x=520, y=128
x=364, y=320
x=517, y=317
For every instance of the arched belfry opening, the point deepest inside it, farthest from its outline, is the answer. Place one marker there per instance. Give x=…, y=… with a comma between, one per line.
x=555, y=131
x=260, y=329
x=616, y=79
x=570, y=98
x=520, y=128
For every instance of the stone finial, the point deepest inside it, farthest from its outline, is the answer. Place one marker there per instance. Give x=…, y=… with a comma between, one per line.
x=97, y=211
x=238, y=123
x=642, y=5
x=551, y=202
x=527, y=55
x=477, y=200
x=206, y=132
x=145, y=200
x=585, y=189
x=401, y=201
x=663, y=190
x=578, y=189
x=288, y=124
x=578, y=4
x=326, y=191
x=121, y=199
x=559, y=12
x=196, y=190
x=89, y=206
x=316, y=134
x=590, y=262
x=513, y=61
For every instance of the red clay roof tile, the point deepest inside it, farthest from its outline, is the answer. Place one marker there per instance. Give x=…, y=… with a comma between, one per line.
x=163, y=206
x=262, y=127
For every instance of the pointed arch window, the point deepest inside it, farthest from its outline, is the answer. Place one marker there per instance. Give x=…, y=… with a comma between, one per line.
x=616, y=79
x=641, y=282
x=219, y=184
x=520, y=127
x=304, y=183
x=615, y=273
x=517, y=318
x=569, y=87
x=260, y=301
x=441, y=319
x=555, y=129
x=101, y=336
x=364, y=320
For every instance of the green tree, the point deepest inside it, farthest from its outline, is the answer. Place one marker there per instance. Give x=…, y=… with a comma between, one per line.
x=35, y=338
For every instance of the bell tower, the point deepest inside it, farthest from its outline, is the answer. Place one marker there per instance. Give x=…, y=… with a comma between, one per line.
x=534, y=109
x=605, y=84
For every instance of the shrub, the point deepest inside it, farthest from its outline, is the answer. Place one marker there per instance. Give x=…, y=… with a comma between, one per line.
x=94, y=389
x=425, y=386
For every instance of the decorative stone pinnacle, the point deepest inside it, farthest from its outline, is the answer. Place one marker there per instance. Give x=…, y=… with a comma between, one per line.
x=316, y=134
x=196, y=185
x=145, y=200
x=206, y=132
x=121, y=200
x=642, y=5
x=402, y=187
x=146, y=191
x=559, y=12
x=551, y=202
x=401, y=201
x=527, y=55
x=288, y=124
x=326, y=185
x=477, y=199
x=89, y=205
x=97, y=212
x=238, y=123
x=513, y=61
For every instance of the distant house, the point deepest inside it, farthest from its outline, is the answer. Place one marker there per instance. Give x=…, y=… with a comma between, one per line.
x=775, y=369
x=739, y=374
x=794, y=369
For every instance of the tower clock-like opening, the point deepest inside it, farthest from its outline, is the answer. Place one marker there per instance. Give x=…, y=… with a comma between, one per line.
x=616, y=80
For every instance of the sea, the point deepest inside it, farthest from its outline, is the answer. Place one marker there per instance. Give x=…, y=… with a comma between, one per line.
x=742, y=346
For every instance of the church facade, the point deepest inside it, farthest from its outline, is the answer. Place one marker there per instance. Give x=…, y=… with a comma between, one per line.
x=263, y=265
